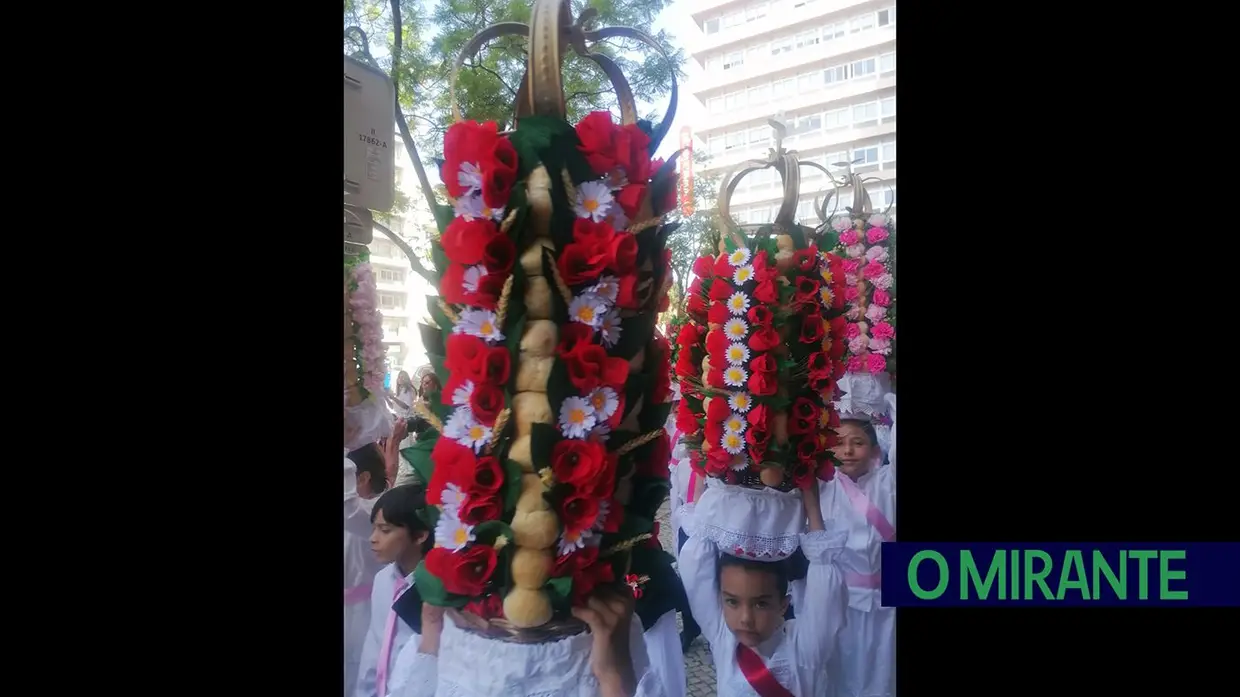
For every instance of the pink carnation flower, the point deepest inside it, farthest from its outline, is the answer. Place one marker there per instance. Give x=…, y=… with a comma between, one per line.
x=856, y=365
x=882, y=297
x=873, y=270
x=884, y=282
x=875, y=363
x=855, y=251
x=878, y=220
x=852, y=331
x=858, y=344
x=850, y=279
x=883, y=330
x=852, y=265
x=851, y=294
x=880, y=346
x=875, y=235
x=875, y=313
x=849, y=237
x=876, y=253
x=841, y=223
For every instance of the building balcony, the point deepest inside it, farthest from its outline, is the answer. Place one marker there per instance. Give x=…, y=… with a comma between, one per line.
x=816, y=187
x=842, y=50
x=825, y=98
x=782, y=16
x=807, y=145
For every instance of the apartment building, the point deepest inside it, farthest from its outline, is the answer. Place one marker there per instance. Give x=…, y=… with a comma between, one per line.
x=826, y=68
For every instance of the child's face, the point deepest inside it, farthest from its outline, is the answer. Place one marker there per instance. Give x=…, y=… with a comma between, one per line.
x=389, y=542
x=752, y=606
x=855, y=452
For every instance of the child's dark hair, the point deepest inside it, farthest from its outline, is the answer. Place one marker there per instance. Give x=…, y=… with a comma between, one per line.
x=865, y=426
x=793, y=568
x=404, y=506
x=369, y=458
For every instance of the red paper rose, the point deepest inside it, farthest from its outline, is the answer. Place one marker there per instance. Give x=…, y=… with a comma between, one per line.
x=477, y=151
x=589, y=366
x=763, y=384
x=811, y=329
x=577, y=512
x=465, y=241
x=486, y=402
x=462, y=573
x=766, y=291
x=686, y=419
x=454, y=464
x=486, y=477
x=481, y=508
x=608, y=147
x=499, y=254
x=583, y=262
x=658, y=455
x=585, y=466
x=760, y=315
x=488, y=608
x=702, y=266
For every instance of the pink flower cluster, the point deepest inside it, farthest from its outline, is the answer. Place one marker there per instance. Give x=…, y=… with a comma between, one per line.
x=369, y=328
x=864, y=244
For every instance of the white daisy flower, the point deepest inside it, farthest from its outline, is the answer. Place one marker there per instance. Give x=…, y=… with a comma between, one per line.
x=594, y=200
x=461, y=395
x=732, y=442
x=611, y=328
x=472, y=206
x=452, y=534
x=735, y=376
x=568, y=544
x=616, y=179
x=607, y=287
x=576, y=417
x=738, y=303
x=605, y=402
x=826, y=295
x=588, y=309
x=825, y=273
x=735, y=329
x=479, y=323
x=735, y=424
x=739, y=257
x=463, y=428
x=470, y=177
x=739, y=463
x=737, y=354
x=740, y=401
x=472, y=277
x=742, y=274
x=453, y=499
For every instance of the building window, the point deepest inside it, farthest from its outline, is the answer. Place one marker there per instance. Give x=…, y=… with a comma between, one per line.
x=733, y=101
x=805, y=209
x=735, y=59
x=783, y=88
x=832, y=76
x=888, y=107
x=831, y=32
x=755, y=12
x=884, y=18
x=863, y=23
x=734, y=140
x=759, y=95
x=887, y=63
x=711, y=26
x=865, y=112
x=715, y=145
x=836, y=118
x=733, y=20
x=889, y=152
x=781, y=46
x=806, y=124
x=807, y=83
x=388, y=301
x=391, y=276
x=715, y=104
x=862, y=68
x=865, y=156
x=755, y=54
x=836, y=159
x=759, y=137
x=807, y=39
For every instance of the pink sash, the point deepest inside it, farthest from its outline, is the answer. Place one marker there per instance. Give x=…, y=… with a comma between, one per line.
x=856, y=580
x=862, y=504
x=357, y=594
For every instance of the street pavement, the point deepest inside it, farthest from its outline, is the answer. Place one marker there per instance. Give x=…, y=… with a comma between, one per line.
x=699, y=666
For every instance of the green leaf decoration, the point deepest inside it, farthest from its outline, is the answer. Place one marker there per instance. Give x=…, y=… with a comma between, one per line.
x=432, y=591
x=559, y=387
x=635, y=332
x=437, y=314
x=512, y=485
x=432, y=340
x=649, y=493
x=439, y=259
x=419, y=454
x=444, y=216
x=543, y=438
x=561, y=587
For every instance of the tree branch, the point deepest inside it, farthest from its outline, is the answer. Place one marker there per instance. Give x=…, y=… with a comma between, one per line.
x=405, y=135
x=483, y=68
x=414, y=262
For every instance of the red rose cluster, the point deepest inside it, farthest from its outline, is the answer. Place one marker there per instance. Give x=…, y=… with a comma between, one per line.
x=479, y=171
x=768, y=329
